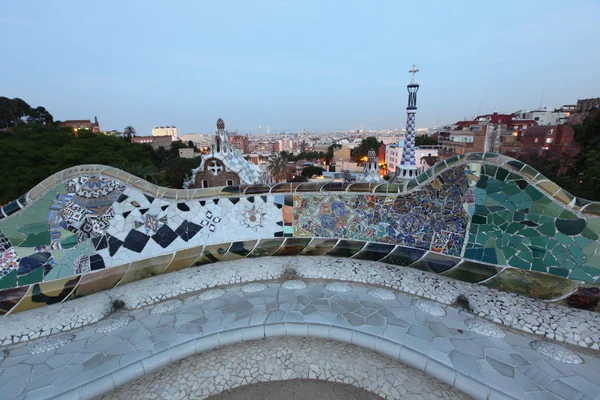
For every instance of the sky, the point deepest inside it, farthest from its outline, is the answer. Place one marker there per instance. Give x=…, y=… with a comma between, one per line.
x=318, y=65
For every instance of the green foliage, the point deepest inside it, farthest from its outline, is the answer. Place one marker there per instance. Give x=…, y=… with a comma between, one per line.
x=307, y=155
x=330, y=151
x=583, y=178
x=15, y=112
x=425, y=141
x=176, y=170
x=30, y=153
x=311, y=170
x=128, y=133
x=360, y=152
x=277, y=166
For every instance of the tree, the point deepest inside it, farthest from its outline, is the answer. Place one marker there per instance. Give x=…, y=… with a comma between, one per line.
x=46, y=149
x=360, y=153
x=330, y=151
x=311, y=170
x=277, y=167
x=425, y=141
x=128, y=133
x=15, y=112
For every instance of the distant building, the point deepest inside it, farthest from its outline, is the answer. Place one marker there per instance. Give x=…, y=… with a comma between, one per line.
x=423, y=157
x=77, y=124
x=321, y=148
x=155, y=141
x=288, y=145
x=261, y=147
x=549, y=140
x=240, y=142
x=583, y=109
x=186, y=152
x=199, y=140
x=342, y=154
x=489, y=133
x=224, y=165
x=166, y=131
x=544, y=116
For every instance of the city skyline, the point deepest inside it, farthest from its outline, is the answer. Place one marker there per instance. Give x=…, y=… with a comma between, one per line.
x=293, y=66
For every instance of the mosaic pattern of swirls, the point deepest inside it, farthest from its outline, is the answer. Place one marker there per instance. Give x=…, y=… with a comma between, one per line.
x=434, y=217
x=91, y=228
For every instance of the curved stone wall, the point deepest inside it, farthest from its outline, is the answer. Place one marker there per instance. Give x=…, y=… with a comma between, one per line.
x=481, y=218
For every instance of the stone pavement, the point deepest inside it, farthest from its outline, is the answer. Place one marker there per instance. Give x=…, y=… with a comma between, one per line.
x=284, y=360
x=430, y=337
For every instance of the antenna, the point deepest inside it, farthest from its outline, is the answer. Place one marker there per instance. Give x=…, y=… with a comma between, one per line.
x=542, y=99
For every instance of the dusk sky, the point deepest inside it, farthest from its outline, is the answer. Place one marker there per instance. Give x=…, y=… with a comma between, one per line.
x=315, y=65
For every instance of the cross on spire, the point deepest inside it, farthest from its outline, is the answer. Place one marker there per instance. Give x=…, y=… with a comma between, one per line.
x=413, y=71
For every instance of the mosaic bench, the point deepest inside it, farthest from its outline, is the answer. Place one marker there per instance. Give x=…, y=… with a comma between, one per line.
x=481, y=218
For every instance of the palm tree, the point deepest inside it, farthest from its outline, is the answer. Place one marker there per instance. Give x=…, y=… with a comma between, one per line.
x=277, y=166
x=128, y=133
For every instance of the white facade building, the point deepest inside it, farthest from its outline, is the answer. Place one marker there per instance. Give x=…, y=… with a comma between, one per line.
x=199, y=139
x=393, y=156
x=544, y=116
x=166, y=131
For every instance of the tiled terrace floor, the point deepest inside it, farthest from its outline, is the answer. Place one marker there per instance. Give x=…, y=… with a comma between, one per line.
x=96, y=359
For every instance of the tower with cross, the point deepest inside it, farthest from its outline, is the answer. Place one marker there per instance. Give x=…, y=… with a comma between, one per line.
x=408, y=165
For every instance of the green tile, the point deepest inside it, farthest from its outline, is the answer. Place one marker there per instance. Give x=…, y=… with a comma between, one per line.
x=9, y=280
x=567, y=215
x=590, y=249
x=69, y=242
x=538, y=265
x=518, y=262
x=570, y=227
x=588, y=233
x=34, y=240
x=548, y=229
x=32, y=277
x=578, y=275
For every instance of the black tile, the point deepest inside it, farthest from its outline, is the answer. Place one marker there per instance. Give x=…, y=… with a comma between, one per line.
x=202, y=203
x=150, y=198
x=279, y=234
x=216, y=201
x=164, y=236
x=143, y=211
x=183, y=207
x=126, y=214
x=96, y=262
x=250, y=199
x=234, y=200
x=264, y=198
x=164, y=207
x=100, y=243
x=136, y=241
x=113, y=245
x=122, y=198
x=188, y=230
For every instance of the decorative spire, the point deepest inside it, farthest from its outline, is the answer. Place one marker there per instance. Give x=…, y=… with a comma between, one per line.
x=371, y=169
x=414, y=71
x=408, y=166
x=220, y=124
